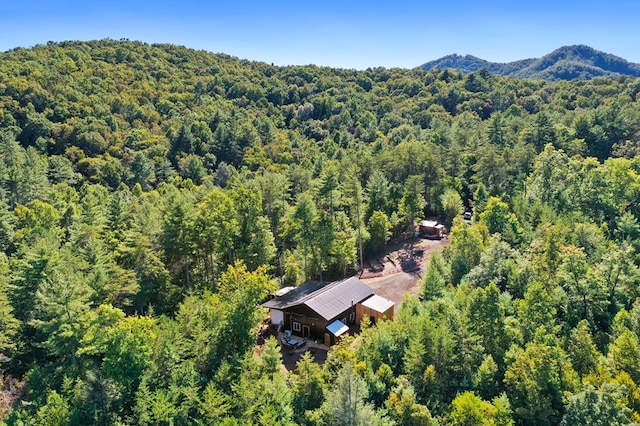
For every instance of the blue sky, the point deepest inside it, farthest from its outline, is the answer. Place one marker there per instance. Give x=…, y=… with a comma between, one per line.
x=345, y=34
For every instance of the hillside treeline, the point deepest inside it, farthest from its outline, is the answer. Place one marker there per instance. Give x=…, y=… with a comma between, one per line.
x=153, y=195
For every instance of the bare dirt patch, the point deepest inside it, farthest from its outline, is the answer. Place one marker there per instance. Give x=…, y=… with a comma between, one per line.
x=401, y=268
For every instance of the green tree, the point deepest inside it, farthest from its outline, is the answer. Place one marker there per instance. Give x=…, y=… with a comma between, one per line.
x=582, y=351
x=93, y=199
x=345, y=401
x=537, y=309
x=486, y=379
x=480, y=199
x=35, y=176
x=62, y=300
x=9, y=325
x=191, y=167
x=343, y=251
x=587, y=297
x=469, y=409
x=541, y=131
x=379, y=232
x=7, y=227
x=34, y=220
x=404, y=409
x=487, y=314
x=592, y=407
x=499, y=219
x=124, y=346
x=263, y=394
x=535, y=381
x=142, y=172
x=216, y=405
x=378, y=193
x=55, y=412
x=12, y=171
x=467, y=244
x=255, y=242
x=492, y=169
x=412, y=203
x=177, y=238
x=217, y=228
x=498, y=264
x=32, y=266
x=496, y=132
x=242, y=291
x=302, y=225
x=435, y=278
x=624, y=355
x=308, y=387
x=452, y=205
x=547, y=182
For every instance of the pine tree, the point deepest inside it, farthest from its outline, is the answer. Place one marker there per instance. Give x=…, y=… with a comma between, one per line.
x=62, y=299
x=9, y=325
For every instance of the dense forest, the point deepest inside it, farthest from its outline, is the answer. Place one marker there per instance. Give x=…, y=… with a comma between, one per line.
x=153, y=196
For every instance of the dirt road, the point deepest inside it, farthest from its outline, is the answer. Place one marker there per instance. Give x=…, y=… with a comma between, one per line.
x=401, y=269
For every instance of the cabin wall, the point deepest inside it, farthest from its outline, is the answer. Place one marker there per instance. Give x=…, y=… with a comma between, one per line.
x=305, y=323
x=299, y=317
x=429, y=231
x=277, y=316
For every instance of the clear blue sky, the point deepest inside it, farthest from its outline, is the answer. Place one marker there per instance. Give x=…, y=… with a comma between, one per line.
x=338, y=33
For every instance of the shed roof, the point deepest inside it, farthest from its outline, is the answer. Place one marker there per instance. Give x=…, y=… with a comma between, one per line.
x=429, y=223
x=378, y=303
x=328, y=300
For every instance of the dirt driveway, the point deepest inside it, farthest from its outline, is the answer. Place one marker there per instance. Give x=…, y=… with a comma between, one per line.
x=401, y=269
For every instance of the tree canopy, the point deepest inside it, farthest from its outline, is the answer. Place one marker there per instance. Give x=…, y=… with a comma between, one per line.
x=151, y=196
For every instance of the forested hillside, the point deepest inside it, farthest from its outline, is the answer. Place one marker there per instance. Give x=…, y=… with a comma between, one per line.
x=153, y=196
x=565, y=63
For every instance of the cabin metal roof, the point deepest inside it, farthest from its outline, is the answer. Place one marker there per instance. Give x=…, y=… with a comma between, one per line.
x=327, y=300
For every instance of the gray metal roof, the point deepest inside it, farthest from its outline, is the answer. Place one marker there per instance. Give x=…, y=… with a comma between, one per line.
x=294, y=297
x=328, y=300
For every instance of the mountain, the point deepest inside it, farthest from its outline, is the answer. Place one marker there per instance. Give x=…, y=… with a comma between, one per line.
x=565, y=63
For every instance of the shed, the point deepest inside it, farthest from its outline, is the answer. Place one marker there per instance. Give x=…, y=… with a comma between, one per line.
x=334, y=331
x=431, y=228
x=376, y=308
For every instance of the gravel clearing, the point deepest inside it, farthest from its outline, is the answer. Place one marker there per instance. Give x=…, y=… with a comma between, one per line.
x=401, y=268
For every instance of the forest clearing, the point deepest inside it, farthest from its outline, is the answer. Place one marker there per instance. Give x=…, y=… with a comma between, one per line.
x=401, y=268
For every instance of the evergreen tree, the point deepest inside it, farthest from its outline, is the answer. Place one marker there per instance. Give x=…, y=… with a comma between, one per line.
x=9, y=325
x=62, y=299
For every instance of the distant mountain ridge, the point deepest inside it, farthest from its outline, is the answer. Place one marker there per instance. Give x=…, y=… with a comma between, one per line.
x=565, y=63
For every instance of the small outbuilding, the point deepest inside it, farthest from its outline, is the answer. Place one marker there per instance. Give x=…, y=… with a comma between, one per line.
x=376, y=308
x=431, y=229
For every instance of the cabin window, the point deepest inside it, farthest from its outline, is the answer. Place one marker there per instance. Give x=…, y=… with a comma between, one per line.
x=352, y=317
x=296, y=326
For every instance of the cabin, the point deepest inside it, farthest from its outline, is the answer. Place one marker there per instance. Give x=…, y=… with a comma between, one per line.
x=431, y=229
x=322, y=311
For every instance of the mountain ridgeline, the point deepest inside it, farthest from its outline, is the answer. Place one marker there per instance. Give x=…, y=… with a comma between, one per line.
x=565, y=63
